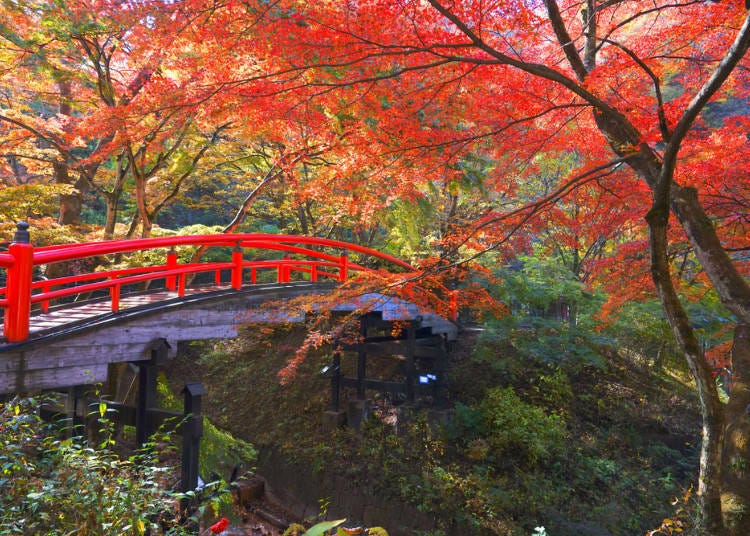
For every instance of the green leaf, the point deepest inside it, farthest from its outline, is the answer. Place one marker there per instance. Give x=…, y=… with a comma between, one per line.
x=321, y=528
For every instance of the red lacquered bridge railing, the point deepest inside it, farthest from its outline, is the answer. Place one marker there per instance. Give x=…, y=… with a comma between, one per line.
x=21, y=291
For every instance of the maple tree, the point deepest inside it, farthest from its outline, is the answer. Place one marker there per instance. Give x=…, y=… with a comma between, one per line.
x=586, y=117
x=102, y=98
x=621, y=85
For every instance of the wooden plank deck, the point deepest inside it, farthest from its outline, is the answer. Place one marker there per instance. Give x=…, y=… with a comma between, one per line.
x=76, y=313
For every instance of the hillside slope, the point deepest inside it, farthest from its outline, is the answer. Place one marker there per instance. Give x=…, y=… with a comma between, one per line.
x=578, y=449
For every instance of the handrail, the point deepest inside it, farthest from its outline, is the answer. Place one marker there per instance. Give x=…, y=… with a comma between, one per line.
x=22, y=257
x=48, y=254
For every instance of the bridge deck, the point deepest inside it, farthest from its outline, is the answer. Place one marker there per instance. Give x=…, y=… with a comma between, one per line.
x=86, y=311
x=75, y=343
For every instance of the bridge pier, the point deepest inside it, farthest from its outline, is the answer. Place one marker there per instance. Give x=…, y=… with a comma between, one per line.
x=411, y=369
x=423, y=365
x=144, y=426
x=192, y=431
x=145, y=415
x=76, y=409
x=147, y=374
x=362, y=360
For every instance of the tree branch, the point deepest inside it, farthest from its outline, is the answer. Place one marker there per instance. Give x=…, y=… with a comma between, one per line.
x=563, y=37
x=730, y=60
x=663, y=126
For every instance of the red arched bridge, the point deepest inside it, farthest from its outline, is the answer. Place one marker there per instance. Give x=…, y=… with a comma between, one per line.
x=53, y=339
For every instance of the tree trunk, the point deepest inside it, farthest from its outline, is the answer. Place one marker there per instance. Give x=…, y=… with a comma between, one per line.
x=734, y=293
x=111, y=217
x=70, y=204
x=140, y=200
x=146, y=225
x=112, y=197
x=659, y=361
x=134, y=222
x=732, y=288
x=736, y=490
x=710, y=480
x=657, y=171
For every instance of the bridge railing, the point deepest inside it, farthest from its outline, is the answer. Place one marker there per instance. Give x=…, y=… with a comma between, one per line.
x=21, y=291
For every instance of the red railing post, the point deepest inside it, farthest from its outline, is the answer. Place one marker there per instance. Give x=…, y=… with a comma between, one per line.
x=344, y=266
x=237, y=269
x=45, y=303
x=171, y=282
x=181, y=285
x=114, y=294
x=281, y=276
x=18, y=289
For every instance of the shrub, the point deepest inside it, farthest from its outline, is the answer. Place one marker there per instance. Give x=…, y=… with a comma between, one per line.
x=502, y=427
x=52, y=485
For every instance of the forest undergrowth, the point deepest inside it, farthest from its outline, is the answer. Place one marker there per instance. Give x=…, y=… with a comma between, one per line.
x=607, y=446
